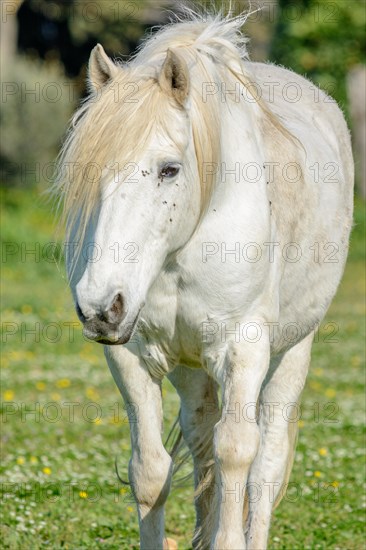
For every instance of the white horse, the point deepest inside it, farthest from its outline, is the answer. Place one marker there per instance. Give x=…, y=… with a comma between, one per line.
x=211, y=198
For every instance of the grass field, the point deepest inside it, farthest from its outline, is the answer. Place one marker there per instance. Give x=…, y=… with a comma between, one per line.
x=63, y=421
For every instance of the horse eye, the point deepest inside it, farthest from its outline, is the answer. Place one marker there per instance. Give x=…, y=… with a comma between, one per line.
x=169, y=171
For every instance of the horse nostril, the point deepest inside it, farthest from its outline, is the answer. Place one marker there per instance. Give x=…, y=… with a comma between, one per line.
x=115, y=312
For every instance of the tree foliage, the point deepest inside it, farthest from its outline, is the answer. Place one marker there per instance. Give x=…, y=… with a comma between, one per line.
x=323, y=39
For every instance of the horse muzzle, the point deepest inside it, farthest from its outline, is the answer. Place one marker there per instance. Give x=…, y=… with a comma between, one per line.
x=105, y=327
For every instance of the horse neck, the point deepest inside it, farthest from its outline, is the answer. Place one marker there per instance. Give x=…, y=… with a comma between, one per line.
x=242, y=151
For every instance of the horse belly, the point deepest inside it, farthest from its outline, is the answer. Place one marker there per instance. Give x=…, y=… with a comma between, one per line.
x=311, y=276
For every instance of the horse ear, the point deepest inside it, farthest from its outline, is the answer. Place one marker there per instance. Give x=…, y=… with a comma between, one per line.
x=101, y=68
x=174, y=77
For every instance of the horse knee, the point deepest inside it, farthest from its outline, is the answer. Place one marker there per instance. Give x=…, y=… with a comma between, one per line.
x=235, y=447
x=150, y=477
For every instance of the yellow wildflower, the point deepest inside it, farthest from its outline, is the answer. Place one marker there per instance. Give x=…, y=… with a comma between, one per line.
x=91, y=393
x=83, y=494
x=356, y=361
x=323, y=451
x=318, y=372
x=46, y=470
x=20, y=460
x=63, y=383
x=8, y=395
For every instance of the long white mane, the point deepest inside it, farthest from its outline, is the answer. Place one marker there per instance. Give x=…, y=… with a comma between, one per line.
x=111, y=128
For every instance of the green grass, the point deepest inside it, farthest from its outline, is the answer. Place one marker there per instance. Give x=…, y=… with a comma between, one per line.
x=58, y=481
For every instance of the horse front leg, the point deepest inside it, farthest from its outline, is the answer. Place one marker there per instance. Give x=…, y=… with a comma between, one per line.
x=150, y=466
x=198, y=415
x=236, y=437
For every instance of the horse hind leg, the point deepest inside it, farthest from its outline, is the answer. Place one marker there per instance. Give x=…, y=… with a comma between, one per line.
x=198, y=415
x=272, y=466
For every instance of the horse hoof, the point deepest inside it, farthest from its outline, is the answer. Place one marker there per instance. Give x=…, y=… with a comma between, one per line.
x=170, y=544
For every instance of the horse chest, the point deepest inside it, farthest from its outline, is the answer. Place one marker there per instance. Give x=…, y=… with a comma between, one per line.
x=172, y=323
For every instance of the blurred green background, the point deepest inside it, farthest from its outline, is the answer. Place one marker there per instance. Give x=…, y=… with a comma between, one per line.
x=63, y=421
